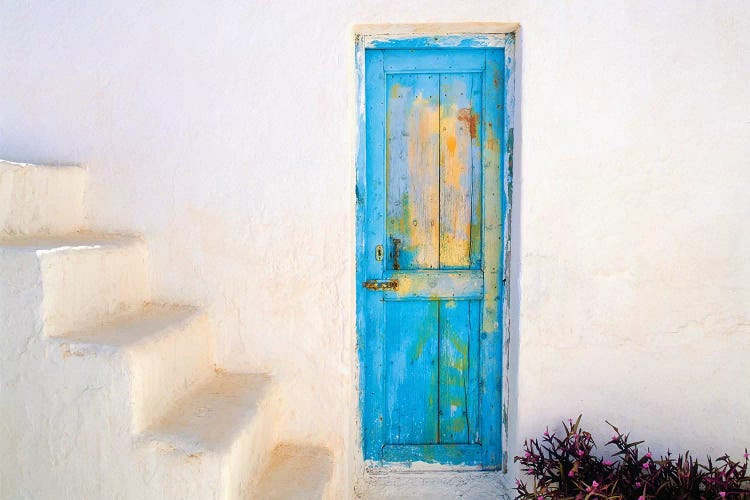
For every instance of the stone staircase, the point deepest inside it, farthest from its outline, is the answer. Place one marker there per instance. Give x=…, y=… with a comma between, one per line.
x=105, y=393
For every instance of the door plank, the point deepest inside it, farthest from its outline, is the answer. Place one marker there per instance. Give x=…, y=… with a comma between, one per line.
x=490, y=382
x=411, y=380
x=370, y=316
x=459, y=334
x=412, y=155
x=460, y=163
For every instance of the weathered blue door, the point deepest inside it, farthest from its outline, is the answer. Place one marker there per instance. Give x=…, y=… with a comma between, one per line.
x=430, y=255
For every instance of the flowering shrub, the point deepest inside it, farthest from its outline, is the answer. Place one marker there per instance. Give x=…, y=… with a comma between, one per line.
x=564, y=468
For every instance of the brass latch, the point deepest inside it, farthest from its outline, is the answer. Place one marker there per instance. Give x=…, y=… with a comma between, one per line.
x=391, y=284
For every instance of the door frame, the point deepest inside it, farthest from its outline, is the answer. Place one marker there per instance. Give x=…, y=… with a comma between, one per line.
x=411, y=40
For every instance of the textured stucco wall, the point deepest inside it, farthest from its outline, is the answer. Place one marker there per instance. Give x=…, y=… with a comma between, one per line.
x=223, y=132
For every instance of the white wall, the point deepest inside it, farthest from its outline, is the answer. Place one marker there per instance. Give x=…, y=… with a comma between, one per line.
x=224, y=133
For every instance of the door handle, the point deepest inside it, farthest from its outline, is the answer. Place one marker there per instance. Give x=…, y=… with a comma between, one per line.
x=396, y=253
x=382, y=285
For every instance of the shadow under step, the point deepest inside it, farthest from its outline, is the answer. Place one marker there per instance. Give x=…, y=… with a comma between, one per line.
x=295, y=472
x=218, y=434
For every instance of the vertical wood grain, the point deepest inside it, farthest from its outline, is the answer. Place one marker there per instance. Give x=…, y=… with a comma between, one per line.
x=460, y=163
x=459, y=367
x=411, y=382
x=491, y=336
x=370, y=202
x=412, y=154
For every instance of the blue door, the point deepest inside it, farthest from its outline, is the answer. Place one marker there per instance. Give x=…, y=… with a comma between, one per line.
x=431, y=203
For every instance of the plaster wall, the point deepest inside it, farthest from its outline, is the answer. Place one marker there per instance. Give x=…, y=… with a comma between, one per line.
x=224, y=133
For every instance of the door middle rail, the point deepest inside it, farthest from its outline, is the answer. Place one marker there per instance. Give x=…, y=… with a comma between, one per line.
x=434, y=284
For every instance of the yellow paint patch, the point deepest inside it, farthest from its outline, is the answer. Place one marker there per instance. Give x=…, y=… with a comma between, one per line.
x=422, y=212
x=455, y=195
x=395, y=89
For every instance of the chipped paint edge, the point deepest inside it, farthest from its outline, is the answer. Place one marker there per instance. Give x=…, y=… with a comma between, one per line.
x=508, y=145
x=485, y=40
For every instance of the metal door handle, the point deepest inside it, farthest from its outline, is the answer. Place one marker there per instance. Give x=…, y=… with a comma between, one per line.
x=396, y=252
x=382, y=285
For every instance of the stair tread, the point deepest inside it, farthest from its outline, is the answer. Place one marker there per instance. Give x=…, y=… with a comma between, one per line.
x=66, y=241
x=134, y=327
x=296, y=472
x=13, y=165
x=213, y=414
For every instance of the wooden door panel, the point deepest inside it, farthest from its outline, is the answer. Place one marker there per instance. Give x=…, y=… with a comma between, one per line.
x=412, y=173
x=460, y=169
x=411, y=381
x=458, y=371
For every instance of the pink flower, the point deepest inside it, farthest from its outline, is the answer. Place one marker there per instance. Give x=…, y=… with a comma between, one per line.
x=527, y=454
x=746, y=456
x=571, y=474
x=648, y=455
x=641, y=497
x=594, y=485
x=540, y=497
x=645, y=465
x=638, y=484
x=607, y=462
x=546, y=433
x=722, y=494
x=614, y=438
x=580, y=453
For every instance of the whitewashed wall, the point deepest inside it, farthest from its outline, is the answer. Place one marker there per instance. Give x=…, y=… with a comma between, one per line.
x=224, y=133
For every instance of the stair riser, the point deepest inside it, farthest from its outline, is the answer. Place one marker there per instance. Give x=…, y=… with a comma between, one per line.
x=83, y=286
x=187, y=475
x=39, y=200
x=167, y=368
x=73, y=415
x=245, y=406
x=157, y=372
x=20, y=307
x=109, y=368
x=250, y=452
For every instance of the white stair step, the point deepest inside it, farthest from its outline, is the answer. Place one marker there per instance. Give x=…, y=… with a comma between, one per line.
x=40, y=199
x=168, y=349
x=295, y=472
x=210, y=418
x=221, y=430
x=85, y=278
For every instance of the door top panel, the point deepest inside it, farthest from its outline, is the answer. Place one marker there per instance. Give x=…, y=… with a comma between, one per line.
x=433, y=135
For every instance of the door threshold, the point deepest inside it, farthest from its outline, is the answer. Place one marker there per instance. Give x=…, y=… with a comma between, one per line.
x=388, y=468
x=386, y=483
